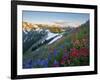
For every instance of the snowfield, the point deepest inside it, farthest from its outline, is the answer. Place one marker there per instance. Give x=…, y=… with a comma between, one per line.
x=51, y=35
x=58, y=37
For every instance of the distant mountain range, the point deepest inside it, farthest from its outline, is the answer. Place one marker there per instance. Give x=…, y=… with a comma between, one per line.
x=55, y=27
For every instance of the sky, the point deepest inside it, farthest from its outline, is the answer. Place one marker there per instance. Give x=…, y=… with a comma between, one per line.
x=72, y=19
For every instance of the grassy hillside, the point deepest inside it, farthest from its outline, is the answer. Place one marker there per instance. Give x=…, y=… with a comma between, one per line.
x=70, y=50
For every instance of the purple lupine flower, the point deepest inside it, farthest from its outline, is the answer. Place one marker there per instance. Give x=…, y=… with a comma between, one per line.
x=44, y=63
x=38, y=61
x=35, y=63
x=65, y=57
x=55, y=52
x=49, y=57
x=27, y=63
x=56, y=63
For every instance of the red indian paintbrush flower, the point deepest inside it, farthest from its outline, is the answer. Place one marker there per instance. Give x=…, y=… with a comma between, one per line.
x=74, y=53
x=84, y=52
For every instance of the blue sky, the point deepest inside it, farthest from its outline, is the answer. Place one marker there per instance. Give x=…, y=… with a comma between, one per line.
x=50, y=17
